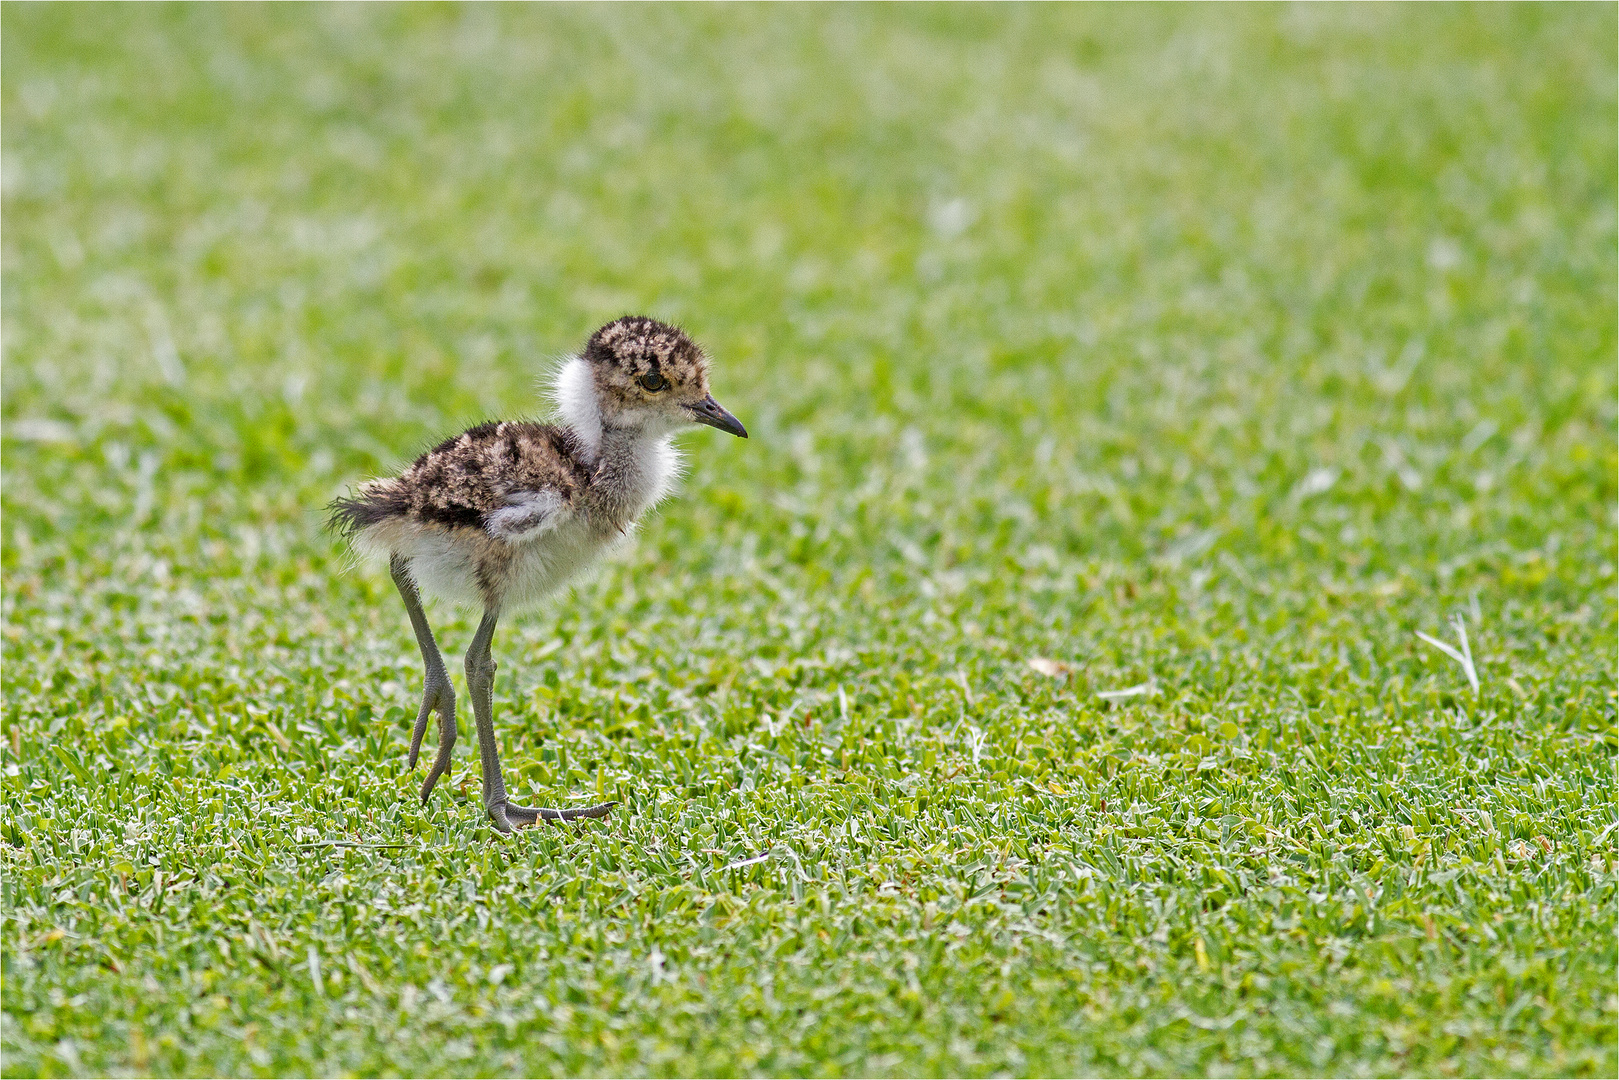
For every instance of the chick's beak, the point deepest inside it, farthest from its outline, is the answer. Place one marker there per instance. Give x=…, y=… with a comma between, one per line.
x=710, y=412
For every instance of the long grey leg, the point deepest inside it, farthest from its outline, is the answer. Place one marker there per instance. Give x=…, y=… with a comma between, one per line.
x=439, y=694
x=481, y=685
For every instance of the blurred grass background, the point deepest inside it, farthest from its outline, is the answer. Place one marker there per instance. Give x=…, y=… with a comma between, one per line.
x=1213, y=348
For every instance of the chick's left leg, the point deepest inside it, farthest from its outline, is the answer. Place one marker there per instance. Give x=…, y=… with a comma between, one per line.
x=437, y=696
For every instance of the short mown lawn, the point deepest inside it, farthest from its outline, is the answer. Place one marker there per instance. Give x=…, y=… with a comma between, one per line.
x=1038, y=690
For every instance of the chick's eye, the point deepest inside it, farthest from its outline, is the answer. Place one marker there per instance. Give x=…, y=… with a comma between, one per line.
x=653, y=382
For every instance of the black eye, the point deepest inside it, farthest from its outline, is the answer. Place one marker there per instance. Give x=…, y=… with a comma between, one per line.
x=653, y=382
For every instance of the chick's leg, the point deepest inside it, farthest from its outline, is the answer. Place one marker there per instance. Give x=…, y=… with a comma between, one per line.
x=439, y=695
x=481, y=684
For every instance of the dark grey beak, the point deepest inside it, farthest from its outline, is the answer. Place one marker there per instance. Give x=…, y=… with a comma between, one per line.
x=710, y=412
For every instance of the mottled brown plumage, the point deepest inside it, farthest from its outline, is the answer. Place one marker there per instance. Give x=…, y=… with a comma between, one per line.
x=507, y=512
x=462, y=480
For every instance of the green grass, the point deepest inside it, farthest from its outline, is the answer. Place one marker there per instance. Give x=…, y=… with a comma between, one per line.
x=1221, y=349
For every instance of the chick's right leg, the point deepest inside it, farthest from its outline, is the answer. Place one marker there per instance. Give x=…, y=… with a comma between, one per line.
x=438, y=696
x=505, y=814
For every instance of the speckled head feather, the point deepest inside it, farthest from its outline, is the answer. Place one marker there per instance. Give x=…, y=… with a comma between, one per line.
x=645, y=370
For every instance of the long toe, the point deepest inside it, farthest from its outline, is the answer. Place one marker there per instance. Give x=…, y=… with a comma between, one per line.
x=417, y=732
x=545, y=813
x=429, y=783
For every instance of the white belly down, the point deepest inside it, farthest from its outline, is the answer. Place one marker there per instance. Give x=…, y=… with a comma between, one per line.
x=541, y=566
x=526, y=570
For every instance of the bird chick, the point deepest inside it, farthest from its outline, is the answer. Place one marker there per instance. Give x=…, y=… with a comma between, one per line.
x=504, y=514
